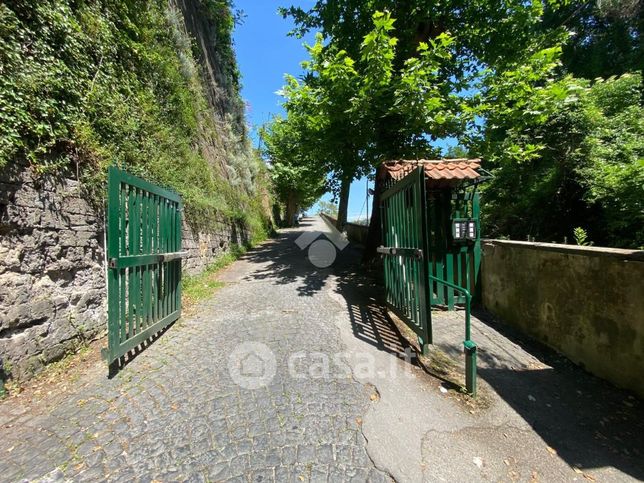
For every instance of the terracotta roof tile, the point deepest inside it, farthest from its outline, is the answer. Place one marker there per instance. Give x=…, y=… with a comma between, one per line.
x=445, y=171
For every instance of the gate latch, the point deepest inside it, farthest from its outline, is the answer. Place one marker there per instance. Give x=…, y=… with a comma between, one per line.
x=402, y=252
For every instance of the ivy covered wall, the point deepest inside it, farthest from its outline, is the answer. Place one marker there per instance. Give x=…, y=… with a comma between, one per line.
x=151, y=85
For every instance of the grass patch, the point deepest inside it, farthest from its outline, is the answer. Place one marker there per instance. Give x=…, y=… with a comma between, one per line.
x=202, y=286
x=57, y=376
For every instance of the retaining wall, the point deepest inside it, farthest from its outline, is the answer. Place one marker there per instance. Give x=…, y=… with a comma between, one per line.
x=585, y=302
x=52, y=267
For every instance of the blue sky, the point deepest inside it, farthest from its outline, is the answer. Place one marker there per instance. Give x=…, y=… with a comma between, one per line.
x=264, y=54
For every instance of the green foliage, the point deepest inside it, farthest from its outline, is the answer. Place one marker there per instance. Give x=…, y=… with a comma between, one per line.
x=328, y=208
x=88, y=84
x=581, y=237
x=336, y=114
x=203, y=285
x=606, y=36
x=587, y=167
x=297, y=179
x=499, y=78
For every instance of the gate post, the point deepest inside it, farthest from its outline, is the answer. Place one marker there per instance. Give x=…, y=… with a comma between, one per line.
x=470, y=367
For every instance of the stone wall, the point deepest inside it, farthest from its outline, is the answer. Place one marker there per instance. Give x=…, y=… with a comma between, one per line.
x=52, y=267
x=52, y=283
x=585, y=302
x=204, y=246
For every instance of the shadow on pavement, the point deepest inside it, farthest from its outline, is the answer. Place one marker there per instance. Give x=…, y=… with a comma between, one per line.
x=587, y=421
x=283, y=262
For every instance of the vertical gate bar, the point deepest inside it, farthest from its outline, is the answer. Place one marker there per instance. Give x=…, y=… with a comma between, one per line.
x=389, y=243
x=406, y=233
x=458, y=269
x=151, y=317
x=476, y=251
x=438, y=249
x=399, y=266
x=130, y=251
x=137, y=250
x=173, y=275
x=146, y=251
x=112, y=252
x=179, y=262
x=173, y=294
x=122, y=252
x=164, y=266
x=153, y=249
x=394, y=261
x=166, y=281
x=401, y=243
x=402, y=240
x=426, y=313
x=160, y=264
x=383, y=231
x=142, y=269
x=415, y=261
x=449, y=259
x=444, y=225
x=434, y=260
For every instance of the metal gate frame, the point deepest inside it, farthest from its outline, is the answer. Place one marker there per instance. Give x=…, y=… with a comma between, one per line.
x=418, y=259
x=144, y=261
x=404, y=225
x=452, y=262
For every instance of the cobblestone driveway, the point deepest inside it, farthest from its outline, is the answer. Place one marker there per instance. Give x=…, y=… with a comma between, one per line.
x=174, y=413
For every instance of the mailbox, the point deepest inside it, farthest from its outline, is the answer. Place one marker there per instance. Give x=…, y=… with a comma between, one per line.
x=464, y=229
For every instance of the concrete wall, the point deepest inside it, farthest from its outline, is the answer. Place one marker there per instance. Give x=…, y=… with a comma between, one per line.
x=355, y=233
x=52, y=267
x=585, y=302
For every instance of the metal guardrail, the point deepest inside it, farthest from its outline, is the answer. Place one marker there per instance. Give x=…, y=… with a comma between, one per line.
x=468, y=345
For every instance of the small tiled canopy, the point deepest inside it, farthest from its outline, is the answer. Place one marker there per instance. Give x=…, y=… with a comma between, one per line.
x=439, y=173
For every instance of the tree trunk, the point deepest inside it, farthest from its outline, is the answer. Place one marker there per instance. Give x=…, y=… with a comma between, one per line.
x=291, y=209
x=344, y=204
x=277, y=215
x=374, y=236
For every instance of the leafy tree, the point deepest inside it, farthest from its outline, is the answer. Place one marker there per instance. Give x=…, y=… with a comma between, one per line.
x=606, y=36
x=437, y=74
x=297, y=181
x=328, y=208
x=504, y=89
x=457, y=152
x=586, y=168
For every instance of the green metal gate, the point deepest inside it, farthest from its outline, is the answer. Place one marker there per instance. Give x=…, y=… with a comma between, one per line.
x=404, y=221
x=431, y=248
x=450, y=259
x=144, y=261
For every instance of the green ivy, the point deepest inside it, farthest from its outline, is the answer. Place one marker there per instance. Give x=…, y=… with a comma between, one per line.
x=84, y=85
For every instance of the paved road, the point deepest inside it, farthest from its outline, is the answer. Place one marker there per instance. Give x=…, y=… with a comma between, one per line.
x=294, y=373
